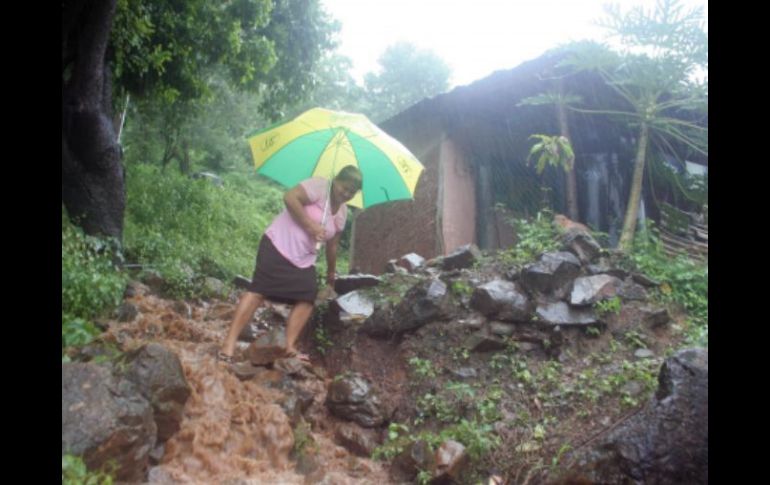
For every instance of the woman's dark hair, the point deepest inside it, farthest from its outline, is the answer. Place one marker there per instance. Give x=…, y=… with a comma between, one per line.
x=352, y=174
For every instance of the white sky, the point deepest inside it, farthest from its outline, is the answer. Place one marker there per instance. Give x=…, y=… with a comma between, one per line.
x=475, y=37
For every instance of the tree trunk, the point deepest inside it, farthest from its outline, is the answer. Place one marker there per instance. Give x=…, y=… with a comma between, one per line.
x=93, y=189
x=571, y=179
x=632, y=210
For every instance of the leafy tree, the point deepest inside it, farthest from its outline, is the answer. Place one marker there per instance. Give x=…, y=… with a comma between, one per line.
x=165, y=51
x=662, y=51
x=407, y=76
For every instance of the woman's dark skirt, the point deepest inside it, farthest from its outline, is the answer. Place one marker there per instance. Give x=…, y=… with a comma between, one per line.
x=277, y=279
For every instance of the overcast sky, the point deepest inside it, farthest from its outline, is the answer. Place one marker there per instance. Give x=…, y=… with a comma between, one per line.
x=475, y=37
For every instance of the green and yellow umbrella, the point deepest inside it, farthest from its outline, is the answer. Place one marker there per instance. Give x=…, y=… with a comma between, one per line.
x=320, y=142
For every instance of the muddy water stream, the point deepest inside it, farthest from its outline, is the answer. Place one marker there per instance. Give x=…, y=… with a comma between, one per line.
x=235, y=431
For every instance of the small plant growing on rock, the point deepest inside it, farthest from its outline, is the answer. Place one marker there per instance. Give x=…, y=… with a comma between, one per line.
x=606, y=307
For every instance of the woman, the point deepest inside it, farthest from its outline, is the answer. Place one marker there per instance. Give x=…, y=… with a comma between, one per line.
x=285, y=269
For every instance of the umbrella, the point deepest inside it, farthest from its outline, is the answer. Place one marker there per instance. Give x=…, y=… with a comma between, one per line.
x=320, y=142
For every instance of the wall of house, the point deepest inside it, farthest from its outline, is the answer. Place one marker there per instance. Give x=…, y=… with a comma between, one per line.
x=457, y=196
x=391, y=230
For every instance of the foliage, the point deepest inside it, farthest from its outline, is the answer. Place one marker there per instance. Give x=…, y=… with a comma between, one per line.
x=605, y=307
x=533, y=237
x=407, y=76
x=555, y=151
x=684, y=281
x=74, y=472
x=167, y=50
x=323, y=340
x=91, y=284
x=181, y=227
x=422, y=367
x=654, y=75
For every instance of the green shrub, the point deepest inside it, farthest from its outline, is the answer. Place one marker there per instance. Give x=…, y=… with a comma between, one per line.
x=184, y=227
x=91, y=284
x=74, y=472
x=534, y=237
x=684, y=281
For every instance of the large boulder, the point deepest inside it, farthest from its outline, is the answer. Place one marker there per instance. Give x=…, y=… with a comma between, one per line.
x=588, y=290
x=352, y=398
x=667, y=441
x=462, y=257
x=361, y=442
x=426, y=301
x=502, y=300
x=560, y=313
x=106, y=420
x=582, y=245
x=552, y=275
x=158, y=374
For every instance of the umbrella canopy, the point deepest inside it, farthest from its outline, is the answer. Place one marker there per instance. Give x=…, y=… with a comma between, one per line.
x=320, y=142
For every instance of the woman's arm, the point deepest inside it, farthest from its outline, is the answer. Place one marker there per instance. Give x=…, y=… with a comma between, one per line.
x=331, y=259
x=296, y=199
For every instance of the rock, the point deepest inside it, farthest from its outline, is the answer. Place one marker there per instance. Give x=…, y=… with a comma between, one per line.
x=582, y=245
x=154, y=280
x=241, y=282
x=484, y=342
x=158, y=375
x=359, y=441
x=135, y=288
x=645, y=280
x=426, y=301
x=644, y=354
x=501, y=329
x=351, y=397
x=127, y=312
x=560, y=313
x=632, y=291
x=654, y=316
x=414, y=458
x=348, y=283
x=106, y=420
x=268, y=347
x=246, y=370
x=667, y=441
x=293, y=367
x=474, y=322
x=553, y=274
x=411, y=262
x=250, y=332
x=183, y=308
x=502, y=300
x=465, y=372
x=588, y=290
x=462, y=257
x=214, y=287
x=156, y=455
x=451, y=460
x=354, y=306
x=295, y=403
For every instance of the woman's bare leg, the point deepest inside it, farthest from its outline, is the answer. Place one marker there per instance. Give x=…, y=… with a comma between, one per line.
x=247, y=305
x=298, y=317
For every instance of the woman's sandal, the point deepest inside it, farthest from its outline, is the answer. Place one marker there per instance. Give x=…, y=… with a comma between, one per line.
x=295, y=354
